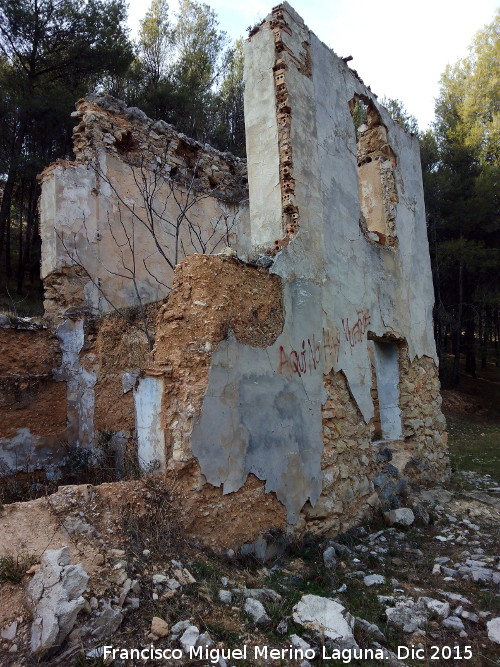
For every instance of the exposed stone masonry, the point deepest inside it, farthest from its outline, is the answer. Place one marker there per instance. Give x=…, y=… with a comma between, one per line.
x=424, y=426
x=299, y=390
x=33, y=405
x=212, y=297
x=360, y=474
x=138, y=197
x=377, y=186
x=107, y=122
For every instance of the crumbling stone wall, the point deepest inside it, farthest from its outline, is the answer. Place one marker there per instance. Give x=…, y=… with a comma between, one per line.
x=105, y=250
x=349, y=282
x=361, y=474
x=115, y=352
x=212, y=298
x=293, y=378
x=68, y=388
x=424, y=425
x=377, y=187
x=290, y=212
x=138, y=197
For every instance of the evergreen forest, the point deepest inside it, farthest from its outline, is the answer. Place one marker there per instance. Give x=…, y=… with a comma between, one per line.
x=182, y=68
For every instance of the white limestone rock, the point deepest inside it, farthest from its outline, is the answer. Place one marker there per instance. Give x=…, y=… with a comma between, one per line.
x=470, y=616
x=408, y=615
x=256, y=610
x=106, y=622
x=453, y=623
x=330, y=557
x=325, y=617
x=177, y=629
x=493, y=628
x=482, y=575
x=258, y=593
x=9, y=632
x=225, y=596
x=401, y=517
x=442, y=609
x=204, y=640
x=455, y=597
x=56, y=595
x=373, y=579
x=298, y=642
x=189, y=638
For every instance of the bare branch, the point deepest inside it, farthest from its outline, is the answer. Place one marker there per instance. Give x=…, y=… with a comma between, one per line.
x=166, y=215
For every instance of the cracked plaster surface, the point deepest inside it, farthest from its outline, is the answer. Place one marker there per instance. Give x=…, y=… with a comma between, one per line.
x=338, y=286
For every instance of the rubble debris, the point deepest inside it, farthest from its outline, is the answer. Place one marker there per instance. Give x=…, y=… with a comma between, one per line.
x=56, y=594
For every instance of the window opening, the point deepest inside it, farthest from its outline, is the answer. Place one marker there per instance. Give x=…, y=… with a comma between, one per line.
x=385, y=390
x=376, y=182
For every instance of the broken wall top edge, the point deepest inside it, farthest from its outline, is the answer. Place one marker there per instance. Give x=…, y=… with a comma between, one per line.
x=106, y=124
x=364, y=89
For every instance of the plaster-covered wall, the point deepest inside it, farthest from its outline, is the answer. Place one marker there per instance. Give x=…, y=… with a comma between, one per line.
x=341, y=286
x=138, y=198
x=293, y=378
x=258, y=420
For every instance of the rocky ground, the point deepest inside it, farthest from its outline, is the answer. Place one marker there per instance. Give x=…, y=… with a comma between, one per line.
x=425, y=578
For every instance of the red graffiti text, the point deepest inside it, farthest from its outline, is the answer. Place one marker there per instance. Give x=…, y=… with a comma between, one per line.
x=355, y=332
x=307, y=358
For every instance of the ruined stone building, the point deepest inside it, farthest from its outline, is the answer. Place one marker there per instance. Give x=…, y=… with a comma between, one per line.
x=292, y=381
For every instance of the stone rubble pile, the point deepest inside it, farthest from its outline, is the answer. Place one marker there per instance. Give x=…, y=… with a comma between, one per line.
x=439, y=600
x=56, y=595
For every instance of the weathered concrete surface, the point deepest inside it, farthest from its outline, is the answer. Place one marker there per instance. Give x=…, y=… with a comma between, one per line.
x=387, y=377
x=340, y=285
x=388, y=298
x=150, y=434
x=80, y=383
x=262, y=134
x=257, y=420
x=330, y=246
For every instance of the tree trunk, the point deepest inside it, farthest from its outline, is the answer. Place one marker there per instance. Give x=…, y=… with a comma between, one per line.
x=485, y=337
x=29, y=228
x=496, y=338
x=469, y=341
x=35, y=241
x=20, y=258
x=455, y=375
x=11, y=180
x=8, y=265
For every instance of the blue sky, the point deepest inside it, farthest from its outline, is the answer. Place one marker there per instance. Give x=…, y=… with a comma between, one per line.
x=400, y=48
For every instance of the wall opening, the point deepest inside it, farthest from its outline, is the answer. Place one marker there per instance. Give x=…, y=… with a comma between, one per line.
x=376, y=182
x=385, y=390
